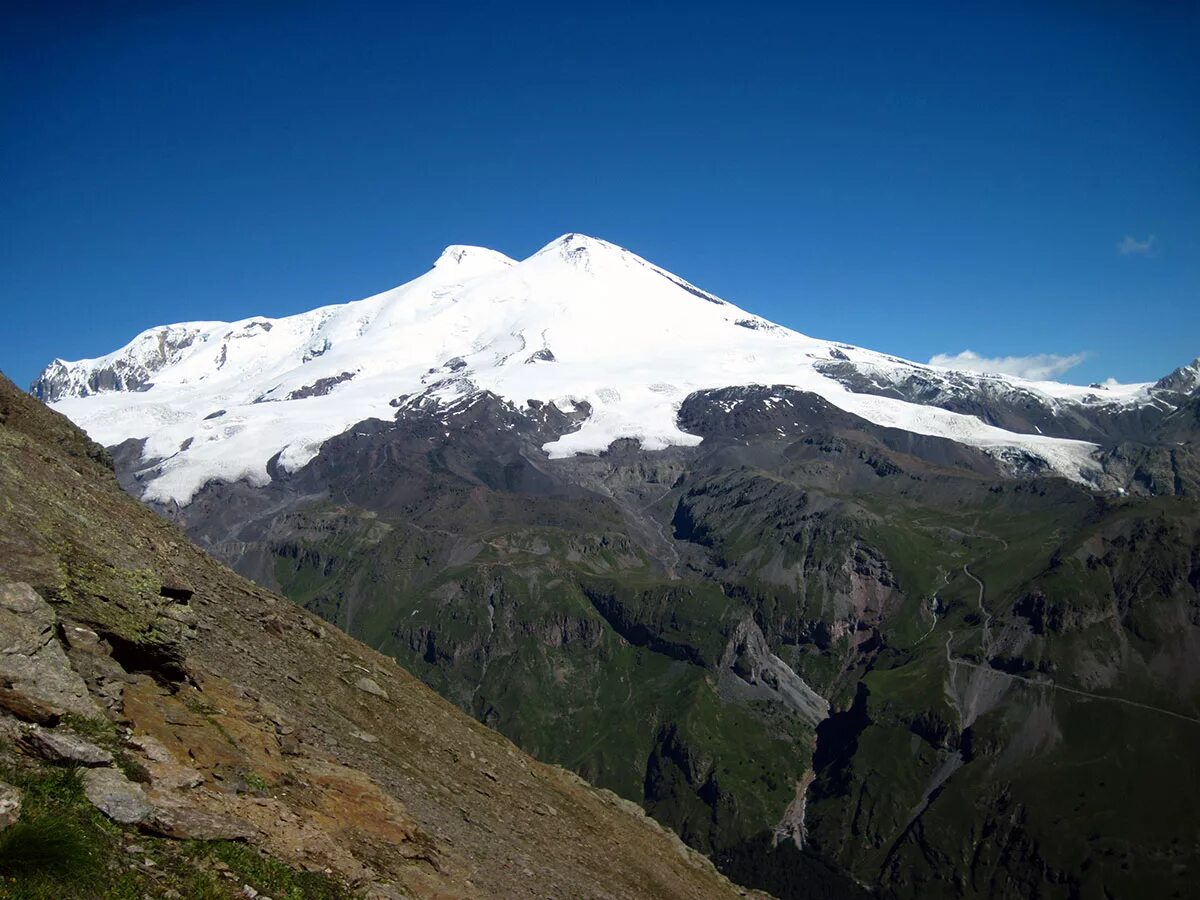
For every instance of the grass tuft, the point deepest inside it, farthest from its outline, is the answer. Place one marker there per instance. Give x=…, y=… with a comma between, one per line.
x=46, y=844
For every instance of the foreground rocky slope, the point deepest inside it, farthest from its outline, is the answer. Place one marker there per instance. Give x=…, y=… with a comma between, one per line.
x=227, y=742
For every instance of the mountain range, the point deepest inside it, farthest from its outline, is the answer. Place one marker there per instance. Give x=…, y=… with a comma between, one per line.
x=613, y=343
x=842, y=621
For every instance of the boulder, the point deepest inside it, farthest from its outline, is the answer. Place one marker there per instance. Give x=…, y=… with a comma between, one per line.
x=116, y=796
x=190, y=824
x=82, y=639
x=37, y=681
x=59, y=746
x=29, y=708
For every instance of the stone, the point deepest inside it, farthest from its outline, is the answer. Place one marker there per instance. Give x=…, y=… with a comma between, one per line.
x=289, y=744
x=63, y=747
x=40, y=683
x=370, y=686
x=192, y=824
x=10, y=805
x=111, y=692
x=314, y=629
x=116, y=796
x=10, y=729
x=365, y=736
x=152, y=747
x=31, y=709
x=82, y=639
x=177, y=591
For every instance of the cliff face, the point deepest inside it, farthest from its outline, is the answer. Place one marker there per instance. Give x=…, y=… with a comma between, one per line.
x=200, y=707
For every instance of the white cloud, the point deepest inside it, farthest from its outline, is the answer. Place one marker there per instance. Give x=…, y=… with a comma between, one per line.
x=1131, y=246
x=1038, y=367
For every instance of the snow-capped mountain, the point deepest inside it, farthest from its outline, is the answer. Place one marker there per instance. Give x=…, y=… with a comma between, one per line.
x=583, y=324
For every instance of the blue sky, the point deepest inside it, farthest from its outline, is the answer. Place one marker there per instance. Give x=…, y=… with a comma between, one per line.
x=1017, y=180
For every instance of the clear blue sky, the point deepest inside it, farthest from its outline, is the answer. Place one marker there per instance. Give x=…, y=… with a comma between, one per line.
x=919, y=178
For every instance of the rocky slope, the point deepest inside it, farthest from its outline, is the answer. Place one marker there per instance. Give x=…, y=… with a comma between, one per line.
x=201, y=736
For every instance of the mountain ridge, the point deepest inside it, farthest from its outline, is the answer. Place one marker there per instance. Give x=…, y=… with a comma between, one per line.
x=581, y=324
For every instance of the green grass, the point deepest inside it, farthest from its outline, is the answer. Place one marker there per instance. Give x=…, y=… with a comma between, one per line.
x=60, y=845
x=64, y=848
x=266, y=875
x=44, y=844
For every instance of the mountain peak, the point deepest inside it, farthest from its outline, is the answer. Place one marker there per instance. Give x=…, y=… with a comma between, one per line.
x=580, y=248
x=1184, y=380
x=458, y=256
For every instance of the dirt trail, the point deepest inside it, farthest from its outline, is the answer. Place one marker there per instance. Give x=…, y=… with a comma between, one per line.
x=932, y=608
x=1059, y=687
x=987, y=641
x=987, y=616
